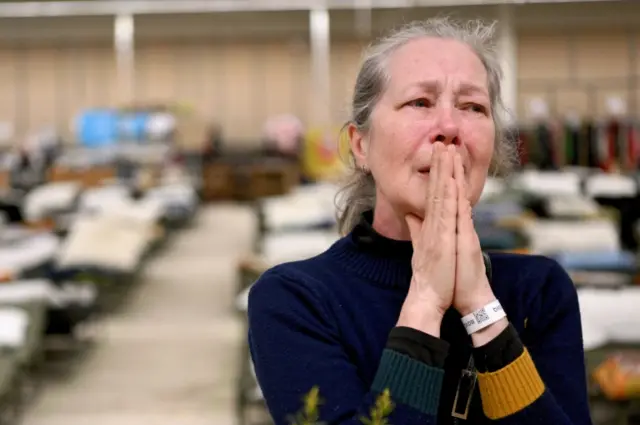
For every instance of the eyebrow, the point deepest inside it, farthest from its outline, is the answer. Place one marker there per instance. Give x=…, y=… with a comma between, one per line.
x=463, y=89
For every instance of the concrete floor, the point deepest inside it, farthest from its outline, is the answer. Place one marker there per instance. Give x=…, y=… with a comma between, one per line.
x=170, y=355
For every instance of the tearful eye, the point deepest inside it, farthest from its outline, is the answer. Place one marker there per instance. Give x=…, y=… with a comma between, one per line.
x=420, y=103
x=477, y=108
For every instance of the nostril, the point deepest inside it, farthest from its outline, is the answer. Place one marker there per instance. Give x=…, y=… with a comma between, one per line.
x=447, y=140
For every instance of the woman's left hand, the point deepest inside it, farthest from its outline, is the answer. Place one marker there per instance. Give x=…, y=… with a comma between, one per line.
x=472, y=289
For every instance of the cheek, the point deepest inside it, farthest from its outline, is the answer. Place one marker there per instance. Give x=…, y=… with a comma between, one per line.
x=480, y=148
x=390, y=148
x=480, y=151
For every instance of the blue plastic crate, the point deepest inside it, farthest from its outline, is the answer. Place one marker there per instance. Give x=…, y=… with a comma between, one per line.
x=97, y=128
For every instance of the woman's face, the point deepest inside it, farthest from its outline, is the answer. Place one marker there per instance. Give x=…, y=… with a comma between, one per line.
x=437, y=91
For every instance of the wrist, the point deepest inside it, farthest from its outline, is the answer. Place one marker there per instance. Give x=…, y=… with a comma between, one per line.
x=475, y=302
x=422, y=317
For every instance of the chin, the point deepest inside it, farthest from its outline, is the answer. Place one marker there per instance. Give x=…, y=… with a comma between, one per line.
x=415, y=207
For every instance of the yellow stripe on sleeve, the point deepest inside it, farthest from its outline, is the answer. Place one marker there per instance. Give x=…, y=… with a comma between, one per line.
x=510, y=389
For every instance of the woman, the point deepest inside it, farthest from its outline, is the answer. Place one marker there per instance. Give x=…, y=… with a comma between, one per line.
x=403, y=302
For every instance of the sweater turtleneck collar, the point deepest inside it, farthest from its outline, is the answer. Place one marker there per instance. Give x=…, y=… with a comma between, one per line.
x=382, y=260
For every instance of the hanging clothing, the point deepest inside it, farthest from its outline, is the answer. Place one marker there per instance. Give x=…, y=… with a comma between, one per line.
x=629, y=147
x=591, y=133
x=614, y=139
x=545, y=140
x=602, y=144
x=572, y=143
x=632, y=147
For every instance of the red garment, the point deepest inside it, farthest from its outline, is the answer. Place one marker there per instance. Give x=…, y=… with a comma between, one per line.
x=611, y=135
x=632, y=147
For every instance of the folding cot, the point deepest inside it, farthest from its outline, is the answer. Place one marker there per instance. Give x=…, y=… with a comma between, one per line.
x=306, y=207
x=33, y=298
x=54, y=201
x=175, y=190
x=25, y=253
x=275, y=250
x=179, y=202
x=14, y=324
x=295, y=226
x=109, y=240
x=551, y=194
x=620, y=193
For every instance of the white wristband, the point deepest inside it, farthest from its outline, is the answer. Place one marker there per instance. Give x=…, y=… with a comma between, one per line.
x=483, y=317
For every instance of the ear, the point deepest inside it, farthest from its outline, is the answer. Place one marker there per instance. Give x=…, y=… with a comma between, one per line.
x=359, y=145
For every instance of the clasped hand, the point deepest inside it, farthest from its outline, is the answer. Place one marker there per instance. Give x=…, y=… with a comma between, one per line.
x=448, y=267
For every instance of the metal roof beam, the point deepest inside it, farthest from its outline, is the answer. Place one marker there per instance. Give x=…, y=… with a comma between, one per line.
x=31, y=9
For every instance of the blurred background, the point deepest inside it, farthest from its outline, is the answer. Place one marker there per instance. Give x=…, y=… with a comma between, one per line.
x=157, y=156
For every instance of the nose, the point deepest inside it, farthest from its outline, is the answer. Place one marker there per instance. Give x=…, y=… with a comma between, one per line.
x=446, y=129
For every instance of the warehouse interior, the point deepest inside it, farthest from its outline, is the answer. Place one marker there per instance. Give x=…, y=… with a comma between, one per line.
x=156, y=157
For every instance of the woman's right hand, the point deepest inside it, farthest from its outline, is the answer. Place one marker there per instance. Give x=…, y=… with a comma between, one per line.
x=434, y=248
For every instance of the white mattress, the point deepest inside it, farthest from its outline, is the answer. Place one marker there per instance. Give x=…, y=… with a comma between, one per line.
x=99, y=198
x=27, y=290
x=27, y=253
x=609, y=316
x=548, y=182
x=294, y=246
x=50, y=197
x=295, y=214
x=572, y=206
x=115, y=199
x=41, y=290
x=146, y=212
x=14, y=324
x=75, y=293
x=176, y=194
x=114, y=241
x=611, y=186
x=305, y=207
x=548, y=236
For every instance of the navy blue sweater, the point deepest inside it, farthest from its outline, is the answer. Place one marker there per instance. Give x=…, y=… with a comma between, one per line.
x=326, y=322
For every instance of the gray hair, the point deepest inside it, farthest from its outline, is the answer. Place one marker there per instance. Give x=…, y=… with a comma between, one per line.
x=358, y=193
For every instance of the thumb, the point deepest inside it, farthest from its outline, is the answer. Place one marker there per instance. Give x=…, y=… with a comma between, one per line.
x=415, y=227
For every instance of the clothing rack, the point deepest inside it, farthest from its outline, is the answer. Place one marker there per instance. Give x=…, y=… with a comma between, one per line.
x=610, y=145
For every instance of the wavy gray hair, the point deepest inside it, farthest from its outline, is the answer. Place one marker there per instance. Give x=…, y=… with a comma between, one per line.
x=358, y=193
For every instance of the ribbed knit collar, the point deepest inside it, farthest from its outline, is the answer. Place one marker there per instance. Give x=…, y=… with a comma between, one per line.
x=381, y=260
